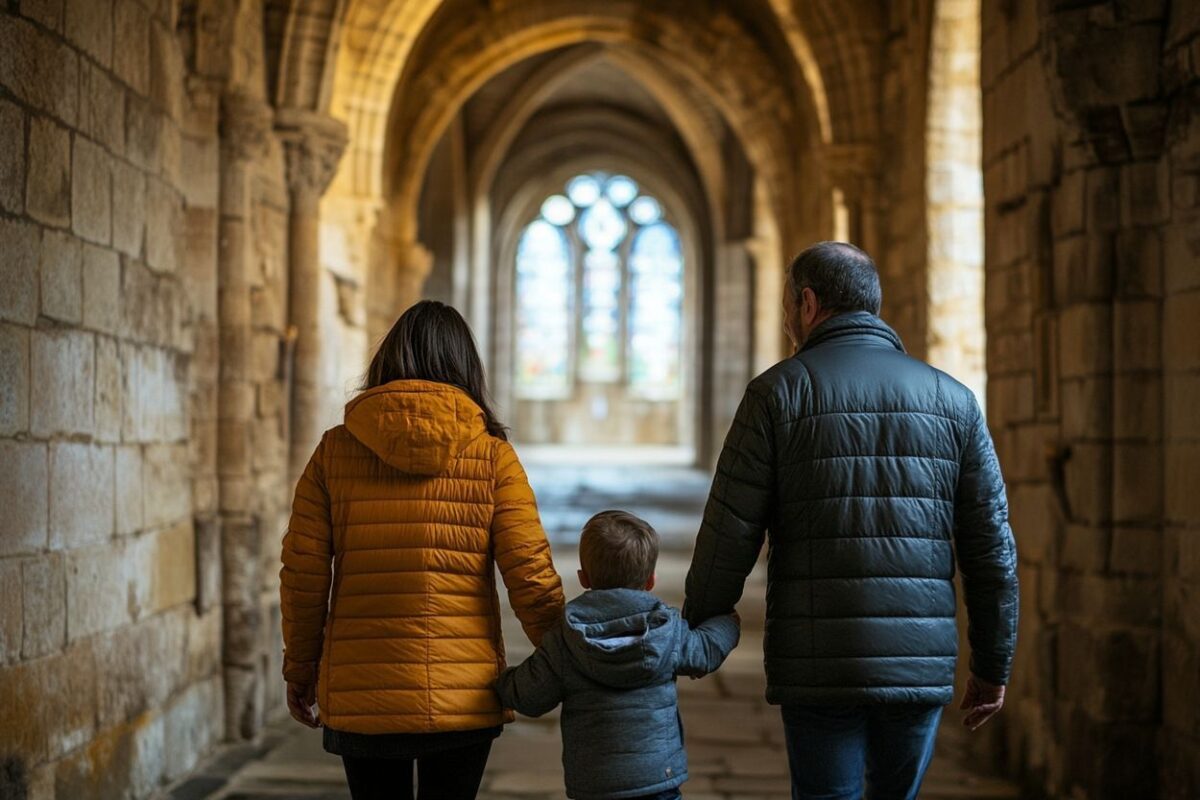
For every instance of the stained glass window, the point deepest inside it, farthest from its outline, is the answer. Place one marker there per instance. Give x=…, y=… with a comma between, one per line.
x=605, y=247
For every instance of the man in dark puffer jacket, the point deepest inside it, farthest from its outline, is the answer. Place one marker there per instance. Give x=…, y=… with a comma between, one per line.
x=871, y=470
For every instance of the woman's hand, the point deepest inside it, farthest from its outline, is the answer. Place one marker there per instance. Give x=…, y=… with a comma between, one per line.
x=300, y=700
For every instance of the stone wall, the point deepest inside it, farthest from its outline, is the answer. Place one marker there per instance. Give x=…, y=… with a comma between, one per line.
x=109, y=669
x=1090, y=158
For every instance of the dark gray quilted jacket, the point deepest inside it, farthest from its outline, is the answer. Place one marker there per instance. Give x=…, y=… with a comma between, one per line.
x=870, y=469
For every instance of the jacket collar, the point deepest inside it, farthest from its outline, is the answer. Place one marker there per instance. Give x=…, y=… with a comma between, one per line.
x=861, y=327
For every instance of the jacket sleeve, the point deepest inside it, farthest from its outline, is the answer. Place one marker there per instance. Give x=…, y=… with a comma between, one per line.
x=307, y=573
x=987, y=555
x=521, y=550
x=706, y=648
x=533, y=687
x=735, y=518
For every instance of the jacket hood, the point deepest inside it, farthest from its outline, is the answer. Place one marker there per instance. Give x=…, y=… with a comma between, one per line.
x=623, y=638
x=861, y=325
x=418, y=427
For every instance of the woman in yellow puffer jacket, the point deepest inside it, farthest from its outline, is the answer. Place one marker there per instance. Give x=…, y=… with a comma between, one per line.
x=402, y=512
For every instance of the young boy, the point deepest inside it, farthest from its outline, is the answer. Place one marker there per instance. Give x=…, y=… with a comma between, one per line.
x=612, y=663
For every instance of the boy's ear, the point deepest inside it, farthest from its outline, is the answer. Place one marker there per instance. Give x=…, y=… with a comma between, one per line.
x=650, y=583
x=584, y=581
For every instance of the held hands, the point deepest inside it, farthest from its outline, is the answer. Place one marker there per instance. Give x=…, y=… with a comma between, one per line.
x=300, y=700
x=981, y=702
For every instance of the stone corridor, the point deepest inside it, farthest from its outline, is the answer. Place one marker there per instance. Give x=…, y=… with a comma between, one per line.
x=734, y=738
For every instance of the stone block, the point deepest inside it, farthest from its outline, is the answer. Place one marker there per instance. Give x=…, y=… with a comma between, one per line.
x=1182, y=500
x=45, y=605
x=1010, y=399
x=61, y=275
x=48, y=174
x=64, y=714
x=1181, y=255
x=1085, y=548
x=1125, y=675
x=63, y=376
x=1084, y=340
x=166, y=490
x=1181, y=331
x=167, y=72
x=39, y=68
x=1102, y=210
x=24, y=526
x=1067, y=204
x=1181, y=685
x=128, y=478
x=89, y=25
x=1138, y=259
x=14, y=379
x=1088, y=479
x=21, y=246
x=12, y=158
x=131, y=61
x=99, y=589
x=102, y=107
x=1087, y=407
x=47, y=12
x=1034, y=520
x=1136, y=334
x=1113, y=600
x=108, y=390
x=129, y=207
x=1138, y=406
x=190, y=727
x=81, y=494
x=1146, y=193
x=1137, y=482
x=11, y=610
x=174, y=567
x=91, y=192
x=142, y=134
x=164, y=227
x=1180, y=418
x=1136, y=551
x=101, y=289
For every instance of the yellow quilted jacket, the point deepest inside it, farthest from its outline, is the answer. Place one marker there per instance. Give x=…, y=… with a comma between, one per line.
x=404, y=511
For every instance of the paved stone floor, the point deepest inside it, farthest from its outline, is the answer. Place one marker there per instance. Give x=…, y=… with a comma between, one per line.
x=734, y=739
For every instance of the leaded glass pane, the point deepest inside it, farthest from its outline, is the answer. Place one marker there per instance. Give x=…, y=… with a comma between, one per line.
x=621, y=190
x=557, y=210
x=602, y=226
x=545, y=294
x=600, y=346
x=655, y=312
x=584, y=190
x=645, y=210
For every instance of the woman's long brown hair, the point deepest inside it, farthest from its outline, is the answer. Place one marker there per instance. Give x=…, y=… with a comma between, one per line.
x=432, y=342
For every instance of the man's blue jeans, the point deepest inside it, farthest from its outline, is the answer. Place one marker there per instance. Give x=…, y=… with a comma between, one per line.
x=830, y=749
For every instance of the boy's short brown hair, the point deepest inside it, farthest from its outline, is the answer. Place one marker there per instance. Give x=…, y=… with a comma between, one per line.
x=618, y=551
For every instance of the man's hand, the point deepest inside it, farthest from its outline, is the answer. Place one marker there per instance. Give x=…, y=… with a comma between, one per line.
x=981, y=702
x=300, y=700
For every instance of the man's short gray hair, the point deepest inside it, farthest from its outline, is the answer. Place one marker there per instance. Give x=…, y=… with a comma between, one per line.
x=842, y=276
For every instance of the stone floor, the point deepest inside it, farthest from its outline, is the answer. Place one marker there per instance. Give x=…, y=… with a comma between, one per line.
x=735, y=740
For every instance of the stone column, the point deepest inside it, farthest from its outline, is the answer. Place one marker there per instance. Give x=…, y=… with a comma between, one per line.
x=245, y=129
x=313, y=145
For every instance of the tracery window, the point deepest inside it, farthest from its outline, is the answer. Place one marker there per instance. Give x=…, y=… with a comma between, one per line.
x=605, y=249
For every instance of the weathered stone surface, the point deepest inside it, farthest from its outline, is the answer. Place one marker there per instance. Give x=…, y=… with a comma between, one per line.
x=91, y=192
x=174, y=567
x=102, y=107
x=100, y=582
x=14, y=379
x=164, y=218
x=142, y=133
x=131, y=59
x=129, y=205
x=39, y=69
x=108, y=390
x=64, y=717
x=47, y=12
x=1182, y=465
x=165, y=487
x=166, y=71
x=101, y=289
x=192, y=725
x=1181, y=331
x=20, y=244
x=60, y=273
x=45, y=605
x=11, y=610
x=63, y=375
x=24, y=526
x=128, y=500
x=89, y=25
x=48, y=173
x=12, y=158
x=81, y=494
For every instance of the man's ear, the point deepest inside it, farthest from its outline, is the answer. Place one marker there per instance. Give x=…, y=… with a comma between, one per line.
x=650, y=582
x=584, y=581
x=810, y=306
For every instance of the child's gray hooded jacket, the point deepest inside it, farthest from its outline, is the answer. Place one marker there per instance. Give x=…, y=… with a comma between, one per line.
x=612, y=663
